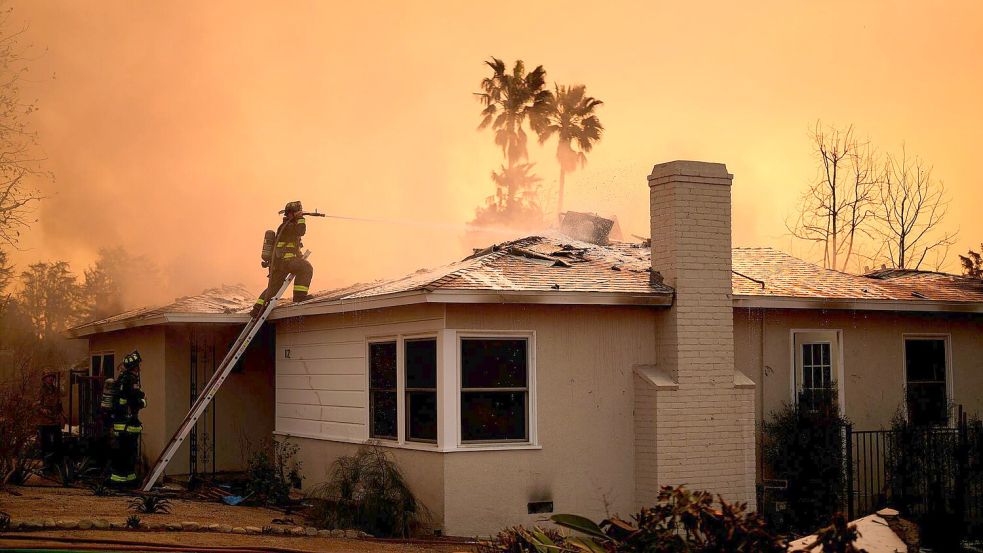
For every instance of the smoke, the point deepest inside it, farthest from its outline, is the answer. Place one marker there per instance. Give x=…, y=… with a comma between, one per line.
x=177, y=130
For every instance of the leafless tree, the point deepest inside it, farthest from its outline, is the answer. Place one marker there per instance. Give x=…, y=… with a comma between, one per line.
x=835, y=212
x=910, y=214
x=20, y=160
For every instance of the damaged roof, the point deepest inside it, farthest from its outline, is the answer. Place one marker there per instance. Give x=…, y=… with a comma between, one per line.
x=767, y=272
x=558, y=269
x=225, y=304
x=530, y=267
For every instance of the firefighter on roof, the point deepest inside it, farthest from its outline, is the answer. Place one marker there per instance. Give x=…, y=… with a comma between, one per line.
x=288, y=258
x=128, y=399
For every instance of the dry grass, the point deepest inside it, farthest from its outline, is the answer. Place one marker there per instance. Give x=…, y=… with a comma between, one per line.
x=39, y=503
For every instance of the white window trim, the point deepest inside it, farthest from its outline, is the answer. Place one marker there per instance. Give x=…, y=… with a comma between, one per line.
x=401, y=440
x=839, y=378
x=101, y=354
x=947, y=338
x=532, y=441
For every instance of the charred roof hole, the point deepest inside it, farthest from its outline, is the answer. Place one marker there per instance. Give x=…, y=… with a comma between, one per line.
x=537, y=257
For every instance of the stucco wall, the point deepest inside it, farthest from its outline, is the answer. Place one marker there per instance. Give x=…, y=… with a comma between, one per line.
x=873, y=357
x=584, y=385
x=150, y=342
x=244, y=404
x=243, y=408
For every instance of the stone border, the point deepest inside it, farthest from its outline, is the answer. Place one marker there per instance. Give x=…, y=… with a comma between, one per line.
x=34, y=525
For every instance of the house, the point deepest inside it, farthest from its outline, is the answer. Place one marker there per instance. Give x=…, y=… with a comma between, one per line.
x=550, y=374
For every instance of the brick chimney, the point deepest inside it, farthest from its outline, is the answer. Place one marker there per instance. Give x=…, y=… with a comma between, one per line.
x=694, y=412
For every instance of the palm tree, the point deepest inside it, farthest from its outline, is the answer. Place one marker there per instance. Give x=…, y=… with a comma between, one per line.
x=570, y=114
x=511, y=99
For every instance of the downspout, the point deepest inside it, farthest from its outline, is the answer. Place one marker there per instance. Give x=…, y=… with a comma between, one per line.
x=761, y=394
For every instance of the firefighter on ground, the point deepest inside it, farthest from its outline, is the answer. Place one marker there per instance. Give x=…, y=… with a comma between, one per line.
x=51, y=416
x=128, y=399
x=287, y=258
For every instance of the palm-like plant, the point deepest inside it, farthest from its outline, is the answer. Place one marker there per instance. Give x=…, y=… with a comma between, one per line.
x=510, y=100
x=570, y=115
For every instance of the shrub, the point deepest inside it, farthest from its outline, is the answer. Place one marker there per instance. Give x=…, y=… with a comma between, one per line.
x=367, y=491
x=17, y=431
x=838, y=537
x=680, y=521
x=132, y=522
x=804, y=447
x=150, y=504
x=4, y=521
x=271, y=471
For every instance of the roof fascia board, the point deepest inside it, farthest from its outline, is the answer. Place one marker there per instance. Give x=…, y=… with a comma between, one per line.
x=477, y=296
x=165, y=318
x=931, y=306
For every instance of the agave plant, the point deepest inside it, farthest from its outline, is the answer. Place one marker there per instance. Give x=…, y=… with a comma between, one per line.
x=133, y=522
x=150, y=503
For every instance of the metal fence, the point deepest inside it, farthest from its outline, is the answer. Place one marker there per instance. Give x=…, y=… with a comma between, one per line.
x=918, y=470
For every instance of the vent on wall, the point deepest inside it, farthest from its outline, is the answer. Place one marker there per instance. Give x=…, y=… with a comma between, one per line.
x=537, y=507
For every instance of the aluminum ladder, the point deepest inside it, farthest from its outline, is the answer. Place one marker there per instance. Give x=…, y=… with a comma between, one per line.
x=210, y=389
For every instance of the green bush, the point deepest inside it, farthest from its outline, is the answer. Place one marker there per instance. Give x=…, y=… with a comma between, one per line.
x=271, y=471
x=367, y=491
x=516, y=539
x=804, y=446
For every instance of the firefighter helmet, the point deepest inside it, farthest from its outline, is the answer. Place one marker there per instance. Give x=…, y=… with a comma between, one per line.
x=132, y=360
x=292, y=206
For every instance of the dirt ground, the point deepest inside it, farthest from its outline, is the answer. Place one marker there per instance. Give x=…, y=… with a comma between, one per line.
x=42, y=502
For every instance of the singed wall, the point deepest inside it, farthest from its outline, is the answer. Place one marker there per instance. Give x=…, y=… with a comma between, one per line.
x=873, y=357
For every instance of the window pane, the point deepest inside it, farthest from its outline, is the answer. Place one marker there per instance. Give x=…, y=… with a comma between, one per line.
x=383, y=409
x=382, y=365
x=925, y=360
x=493, y=363
x=493, y=416
x=421, y=410
x=108, y=363
x=927, y=404
x=421, y=363
x=95, y=365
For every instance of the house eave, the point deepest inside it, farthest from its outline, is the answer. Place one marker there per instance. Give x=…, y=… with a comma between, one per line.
x=558, y=297
x=168, y=318
x=927, y=306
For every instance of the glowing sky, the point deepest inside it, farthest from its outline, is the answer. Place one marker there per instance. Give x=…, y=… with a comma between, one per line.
x=178, y=129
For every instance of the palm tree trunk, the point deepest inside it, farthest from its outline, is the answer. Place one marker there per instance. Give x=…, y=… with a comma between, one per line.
x=559, y=202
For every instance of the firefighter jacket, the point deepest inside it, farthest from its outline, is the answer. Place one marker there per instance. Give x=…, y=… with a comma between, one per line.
x=50, y=410
x=128, y=400
x=288, y=241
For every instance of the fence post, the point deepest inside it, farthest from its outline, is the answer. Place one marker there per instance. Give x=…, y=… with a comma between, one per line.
x=849, y=471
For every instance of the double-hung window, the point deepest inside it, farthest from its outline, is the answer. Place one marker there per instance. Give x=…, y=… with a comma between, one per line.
x=383, y=404
x=494, y=390
x=817, y=375
x=421, y=390
x=926, y=390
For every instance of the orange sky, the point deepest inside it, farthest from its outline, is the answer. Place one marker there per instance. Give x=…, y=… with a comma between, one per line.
x=178, y=129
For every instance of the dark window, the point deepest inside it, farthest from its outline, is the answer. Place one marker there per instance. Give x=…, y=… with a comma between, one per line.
x=382, y=390
x=494, y=390
x=421, y=390
x=925, y=390
x=102, y=364
x=817, y=376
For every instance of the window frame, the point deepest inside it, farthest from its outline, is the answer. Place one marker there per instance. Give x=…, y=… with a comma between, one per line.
x=368, y=388
x=532, y=438
x=947, y=340
x=836, y=354
x=406, y=389
x=401, y=439
x=102, y=355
